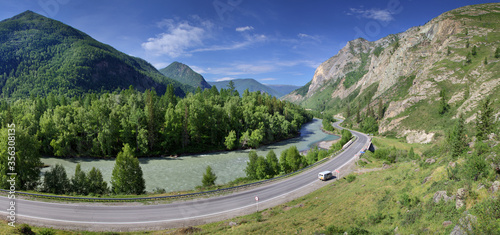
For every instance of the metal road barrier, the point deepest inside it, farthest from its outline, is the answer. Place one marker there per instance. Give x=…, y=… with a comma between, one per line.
x=182, y=196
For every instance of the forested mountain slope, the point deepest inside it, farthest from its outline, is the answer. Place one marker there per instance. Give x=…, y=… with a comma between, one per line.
x=39, y=55
x=185, y=75
x=415, y=82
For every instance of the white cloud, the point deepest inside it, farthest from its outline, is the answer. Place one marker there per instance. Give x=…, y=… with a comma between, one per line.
x=180, y=36
x=268, y=79
x=197, y=69
x=375, y=14
x=243, y=29
x=304, y=36
x=236, y=45
x=224, y=79
x=291, y=63
x=259, y=67
x=241, y=69
x=160, y=65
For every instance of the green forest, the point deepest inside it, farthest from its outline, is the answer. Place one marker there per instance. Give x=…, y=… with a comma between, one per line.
x=100, y=125
x=138, y=123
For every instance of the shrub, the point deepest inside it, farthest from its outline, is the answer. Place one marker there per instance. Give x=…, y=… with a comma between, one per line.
x=350, y=178
x=488, y=215
x=412, y=216
x=332, y=230
x=408, y=201
x=25, y=229
x=47, y=231
x=376, y=218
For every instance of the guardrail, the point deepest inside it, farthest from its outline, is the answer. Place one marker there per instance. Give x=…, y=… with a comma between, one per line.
x=181, y=196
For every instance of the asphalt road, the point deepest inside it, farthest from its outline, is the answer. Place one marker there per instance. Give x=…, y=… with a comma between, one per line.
x=182, y=213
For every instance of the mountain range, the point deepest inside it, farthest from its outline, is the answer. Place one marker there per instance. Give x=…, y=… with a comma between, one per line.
x=39, y=55
x=453, y=60
x=253, y=85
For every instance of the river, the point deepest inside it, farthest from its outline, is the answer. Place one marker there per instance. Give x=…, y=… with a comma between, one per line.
x=185, y=172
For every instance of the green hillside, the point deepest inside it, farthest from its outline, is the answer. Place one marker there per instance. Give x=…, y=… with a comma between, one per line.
x=185, y=75
x=39, y=55
x=247, y=83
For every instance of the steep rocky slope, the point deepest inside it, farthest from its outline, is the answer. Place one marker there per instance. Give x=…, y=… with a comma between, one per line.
x=456, y=53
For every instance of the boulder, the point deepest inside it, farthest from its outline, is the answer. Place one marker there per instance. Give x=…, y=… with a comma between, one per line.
x=441, y=195
x=426, y=179
x=458, y=231
x=461, y=194
x=447, y=223
x=464, y=225
x=430, y=160
x=232, y=223
x=494, y=187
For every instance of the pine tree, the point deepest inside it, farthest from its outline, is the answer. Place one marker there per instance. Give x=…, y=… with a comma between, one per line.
x=468, y=58
x=443, y=104
x=411, y=154
x=474, y=51
x=56, y=180
x=79, y=182
x=497, y=53
x=231, y=87
x=484, y=121
x=358, y=115
x=380, y=110
x=127, y=175
x=457, y=138
x=209, y=177
x=96, y=184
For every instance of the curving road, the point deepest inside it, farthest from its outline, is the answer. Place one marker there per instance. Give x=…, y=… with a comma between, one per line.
x=177, y=214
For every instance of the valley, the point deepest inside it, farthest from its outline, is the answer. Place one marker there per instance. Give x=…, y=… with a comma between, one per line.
x=173, y=100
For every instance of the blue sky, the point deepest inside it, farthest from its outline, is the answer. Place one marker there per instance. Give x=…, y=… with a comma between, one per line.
x=274, y=42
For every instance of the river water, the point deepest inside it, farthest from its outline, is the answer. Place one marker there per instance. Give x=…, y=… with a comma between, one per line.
x=185, y=172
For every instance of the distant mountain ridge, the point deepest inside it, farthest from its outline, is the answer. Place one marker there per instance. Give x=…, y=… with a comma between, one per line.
x=283, y=89
x=247, y=83
x=185, y=75
x=39, y=55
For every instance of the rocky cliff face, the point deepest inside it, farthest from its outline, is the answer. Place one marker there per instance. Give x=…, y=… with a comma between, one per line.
x=454, y=52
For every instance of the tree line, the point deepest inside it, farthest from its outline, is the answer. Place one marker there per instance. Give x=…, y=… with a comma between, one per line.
x=133, y=123
x=259, y=167
x=127, y=178
x=99, y=125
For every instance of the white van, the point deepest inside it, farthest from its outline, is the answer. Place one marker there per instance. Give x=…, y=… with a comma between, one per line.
x=325, y=175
